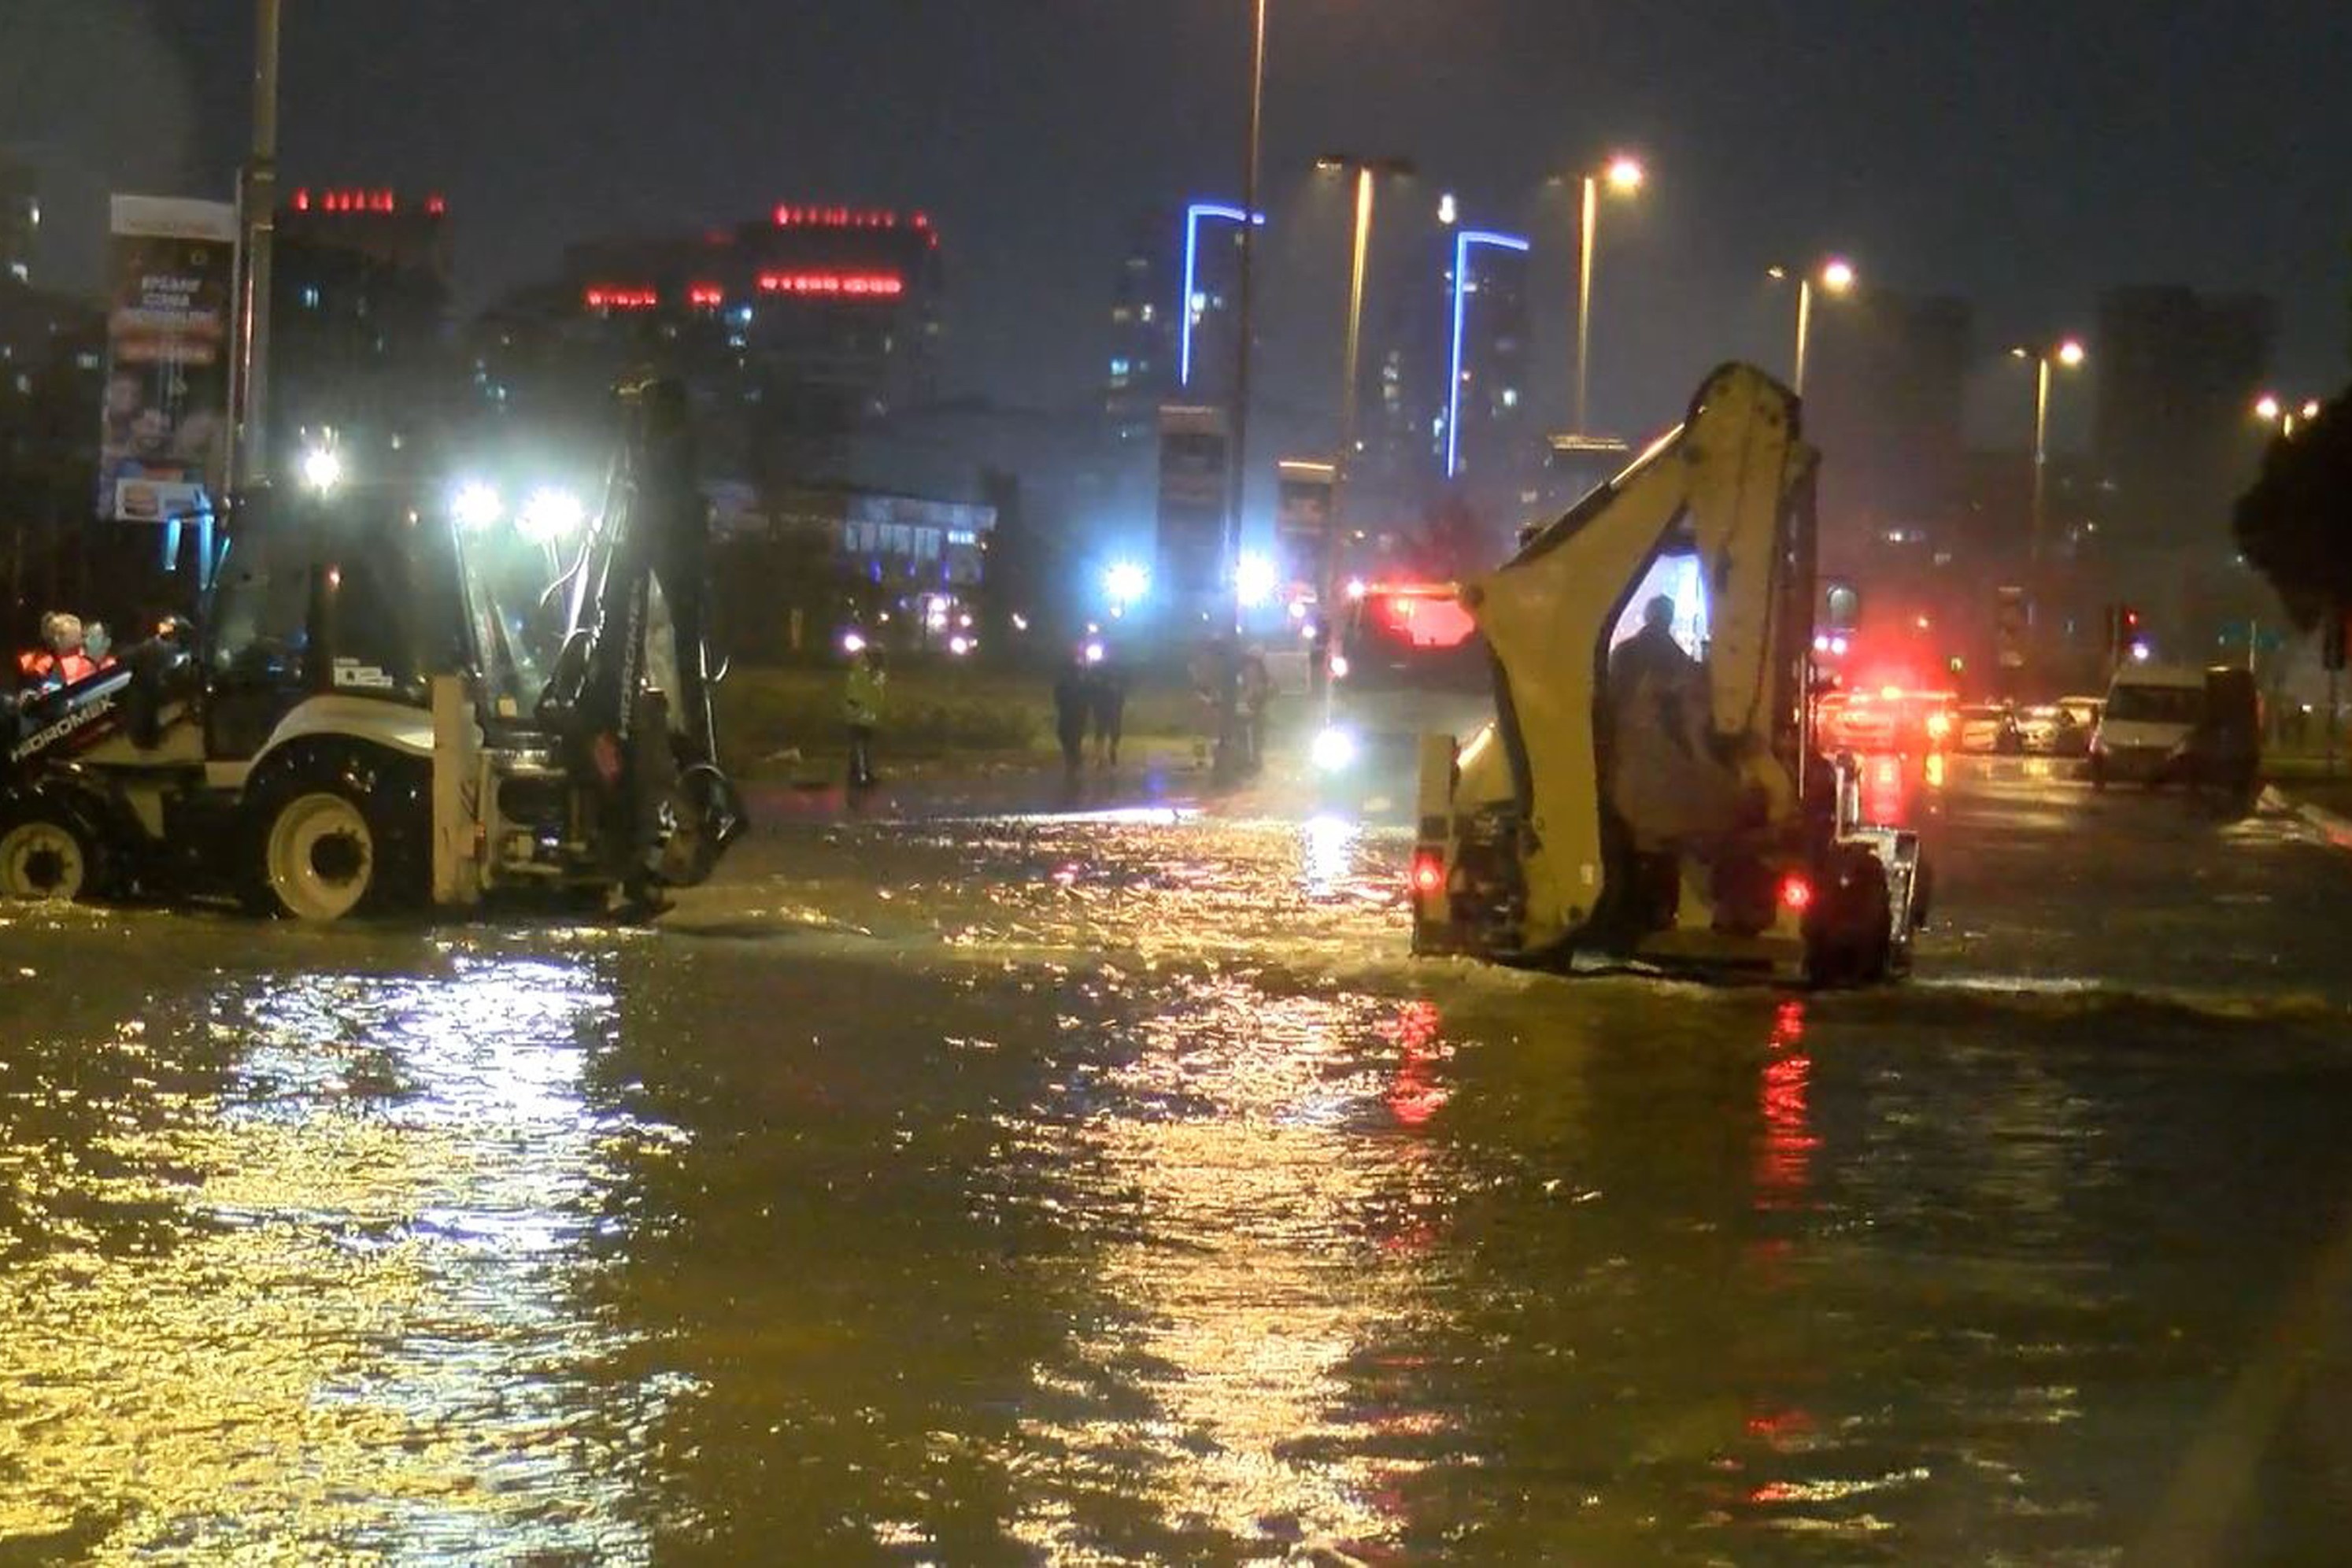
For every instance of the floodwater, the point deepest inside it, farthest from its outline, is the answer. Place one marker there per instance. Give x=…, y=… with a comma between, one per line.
x=1116, y=1189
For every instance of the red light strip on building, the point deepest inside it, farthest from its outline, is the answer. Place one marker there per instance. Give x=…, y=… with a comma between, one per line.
x=705, y=296
x=360, y=202
x=621, y=299
x=857, y=285
x=843, y=217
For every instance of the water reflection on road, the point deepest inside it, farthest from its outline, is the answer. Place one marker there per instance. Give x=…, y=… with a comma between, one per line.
x=1114, y=1188
x=289, y=1257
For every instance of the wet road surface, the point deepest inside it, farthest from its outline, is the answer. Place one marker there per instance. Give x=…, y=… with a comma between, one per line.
x=1115, y=1188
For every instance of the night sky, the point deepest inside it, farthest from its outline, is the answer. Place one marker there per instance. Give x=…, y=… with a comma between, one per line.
x=2024, y=154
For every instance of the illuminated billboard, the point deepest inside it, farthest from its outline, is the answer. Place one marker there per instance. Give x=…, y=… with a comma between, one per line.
x=164, y=422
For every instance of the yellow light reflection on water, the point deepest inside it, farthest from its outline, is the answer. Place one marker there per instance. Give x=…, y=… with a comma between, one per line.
x=1282, y=1211
x=313, y=1298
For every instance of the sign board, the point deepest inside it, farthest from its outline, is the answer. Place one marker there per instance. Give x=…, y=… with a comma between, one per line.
x=2012, y=623
x=1193, y=476
x=1302, y=519
x=163, y=421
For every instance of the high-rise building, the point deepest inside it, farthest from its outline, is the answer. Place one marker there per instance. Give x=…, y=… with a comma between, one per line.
x=1490, y=435
x=1446, y=405
x=1208, y=288
x=1142, y=373
x=20, y=219
x=1884, y=396
x=795, y=332
x=2177, y=373
x=360, y=336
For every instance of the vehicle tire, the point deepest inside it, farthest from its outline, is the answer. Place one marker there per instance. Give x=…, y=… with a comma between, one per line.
x=46, y=852
x=340, y=833
x=1853, y=938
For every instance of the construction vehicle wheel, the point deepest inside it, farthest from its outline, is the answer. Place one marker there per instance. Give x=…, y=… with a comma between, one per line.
x=1852, y=938
x=333, y=838
x=46, y=854
x=320, y=855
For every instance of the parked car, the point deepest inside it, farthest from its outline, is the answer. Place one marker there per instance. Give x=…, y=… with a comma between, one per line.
x=1989, y=727
x=2144, y=725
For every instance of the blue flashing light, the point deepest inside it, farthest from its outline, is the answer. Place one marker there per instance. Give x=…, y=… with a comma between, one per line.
x=1184, y=302
x=1463, y=240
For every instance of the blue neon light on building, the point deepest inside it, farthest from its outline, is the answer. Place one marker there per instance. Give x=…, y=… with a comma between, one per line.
x=1193, y=216
x=1463, y=241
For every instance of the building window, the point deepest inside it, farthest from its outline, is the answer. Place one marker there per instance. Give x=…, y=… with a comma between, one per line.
x=311, y=296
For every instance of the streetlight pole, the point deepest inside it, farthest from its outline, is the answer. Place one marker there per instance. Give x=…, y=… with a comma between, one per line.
x=1624, y=174
x=1837, y=277
x=1367, y=172
x=2041, y=454
x=2070, y=355
x=257, y=205
x=1804, y=331
x=1238, y=479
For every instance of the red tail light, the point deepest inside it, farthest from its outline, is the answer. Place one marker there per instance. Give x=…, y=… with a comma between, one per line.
x=1797, y=893
x=1428, y=874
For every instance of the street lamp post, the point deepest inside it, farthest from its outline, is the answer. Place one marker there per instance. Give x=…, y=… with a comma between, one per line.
x=1367, y=171
x=1238, y=481
x=1622, y=174
x=2068, y=353
x=258, y=203
x=1837, y=277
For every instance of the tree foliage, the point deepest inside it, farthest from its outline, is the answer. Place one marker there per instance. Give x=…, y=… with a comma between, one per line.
x=2295, y=525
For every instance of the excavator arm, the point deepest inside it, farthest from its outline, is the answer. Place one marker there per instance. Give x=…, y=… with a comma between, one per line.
x=631, y=691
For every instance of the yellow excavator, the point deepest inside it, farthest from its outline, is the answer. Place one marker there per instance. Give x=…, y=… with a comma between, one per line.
x=1649, y=790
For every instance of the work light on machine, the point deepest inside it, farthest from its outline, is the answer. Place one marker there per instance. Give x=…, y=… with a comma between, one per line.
x=551, y=516
x=1255, y=580
x=321, y=468
x=476, y=505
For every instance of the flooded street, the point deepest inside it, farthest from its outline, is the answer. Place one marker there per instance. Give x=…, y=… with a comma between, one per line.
x=1116, y=1188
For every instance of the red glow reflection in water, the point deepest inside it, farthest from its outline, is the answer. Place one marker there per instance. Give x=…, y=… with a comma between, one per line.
x=1785, y=1143
x=1415, y=1095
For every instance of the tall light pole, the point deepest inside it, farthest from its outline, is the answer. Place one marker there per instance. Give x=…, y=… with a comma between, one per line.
x=257, y=206
x=2069, y=353
x=1368, y=172
x=1837, y=277
x=1465, y=241
x=1624, y=176
x=1238, y=481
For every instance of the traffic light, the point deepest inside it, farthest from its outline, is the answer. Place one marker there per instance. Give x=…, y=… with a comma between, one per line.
x=2122, y=630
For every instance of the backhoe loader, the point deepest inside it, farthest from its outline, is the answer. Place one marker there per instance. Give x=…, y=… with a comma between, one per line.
x=1649, y=789
x=397, y=695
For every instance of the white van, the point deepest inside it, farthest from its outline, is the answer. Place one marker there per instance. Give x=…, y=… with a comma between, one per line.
x=2150, y=711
